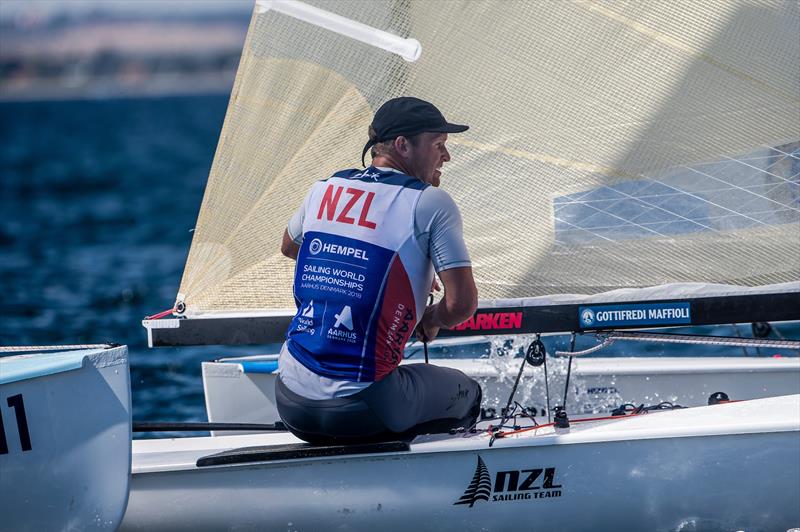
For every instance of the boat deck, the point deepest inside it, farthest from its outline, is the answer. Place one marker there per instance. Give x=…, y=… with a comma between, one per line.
x=777, y=414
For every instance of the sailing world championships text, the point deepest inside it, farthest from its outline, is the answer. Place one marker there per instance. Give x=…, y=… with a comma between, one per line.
x=489, y=321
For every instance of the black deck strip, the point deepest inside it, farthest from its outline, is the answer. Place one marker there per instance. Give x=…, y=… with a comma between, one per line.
x=562, y=318
x=297, y=450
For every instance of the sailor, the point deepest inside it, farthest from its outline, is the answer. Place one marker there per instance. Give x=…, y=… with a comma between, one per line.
x=367, y=242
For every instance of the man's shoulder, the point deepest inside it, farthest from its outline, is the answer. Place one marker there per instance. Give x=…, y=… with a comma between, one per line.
x=435, y=206
x=437, y=197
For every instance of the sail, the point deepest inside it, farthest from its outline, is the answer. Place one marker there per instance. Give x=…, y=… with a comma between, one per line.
x=612, y=144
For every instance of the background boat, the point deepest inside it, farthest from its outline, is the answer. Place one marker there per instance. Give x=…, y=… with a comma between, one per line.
x=242, y=389
x=65, y=438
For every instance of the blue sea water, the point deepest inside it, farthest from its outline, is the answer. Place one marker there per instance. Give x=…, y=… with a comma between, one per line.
x=98, y=200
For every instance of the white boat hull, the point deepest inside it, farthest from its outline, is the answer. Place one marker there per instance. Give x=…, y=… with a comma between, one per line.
x=235, y=393
x=68, y=468
x=725, y=467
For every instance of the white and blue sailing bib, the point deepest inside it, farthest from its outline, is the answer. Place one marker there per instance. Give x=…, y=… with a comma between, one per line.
x=361, y=281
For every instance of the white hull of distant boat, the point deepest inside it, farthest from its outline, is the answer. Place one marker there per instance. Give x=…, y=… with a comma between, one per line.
x=243, y=389
x=723, y=467
x=66, y=440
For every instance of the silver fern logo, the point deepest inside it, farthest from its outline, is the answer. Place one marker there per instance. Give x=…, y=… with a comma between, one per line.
x=480, y=488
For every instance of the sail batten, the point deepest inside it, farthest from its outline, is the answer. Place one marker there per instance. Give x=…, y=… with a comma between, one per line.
x=612, y=145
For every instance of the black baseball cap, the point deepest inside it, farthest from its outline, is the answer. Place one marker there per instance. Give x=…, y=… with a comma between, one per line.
x=407, y=116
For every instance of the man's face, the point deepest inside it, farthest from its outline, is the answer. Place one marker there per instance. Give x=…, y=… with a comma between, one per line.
x=428, y=156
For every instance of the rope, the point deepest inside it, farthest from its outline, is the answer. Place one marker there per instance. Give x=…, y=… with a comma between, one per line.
x=68, y=347
x=739, y=335
x=606, y=342
x=162, y=314
x=425, y=338
x=158, y=426
x=704, y=340
x=503, y=434
x=612, y=336
x=546, y=385
x=507, y=412
x=569, y=370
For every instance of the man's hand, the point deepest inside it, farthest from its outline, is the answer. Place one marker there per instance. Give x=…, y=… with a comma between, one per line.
x=427, y=328
x=435, y=285
x=459, y=303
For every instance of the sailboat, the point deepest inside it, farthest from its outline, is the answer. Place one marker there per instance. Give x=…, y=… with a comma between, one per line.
x=629, y=166
x=633, y=166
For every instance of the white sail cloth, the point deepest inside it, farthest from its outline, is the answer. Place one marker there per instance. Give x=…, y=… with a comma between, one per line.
x=612, y=144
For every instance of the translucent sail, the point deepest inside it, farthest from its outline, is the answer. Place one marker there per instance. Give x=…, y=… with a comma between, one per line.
x=612, y=144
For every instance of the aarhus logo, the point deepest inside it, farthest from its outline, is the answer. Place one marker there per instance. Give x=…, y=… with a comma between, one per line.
x=342, y=329
x=512, y=485
x=344, y=318
x=315, y=246
x=587, y=317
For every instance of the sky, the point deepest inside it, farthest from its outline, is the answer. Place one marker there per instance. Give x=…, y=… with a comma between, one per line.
x=46, y=9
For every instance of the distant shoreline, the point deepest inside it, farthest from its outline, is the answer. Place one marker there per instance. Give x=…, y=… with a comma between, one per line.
x=158, y=86
x=103, y=59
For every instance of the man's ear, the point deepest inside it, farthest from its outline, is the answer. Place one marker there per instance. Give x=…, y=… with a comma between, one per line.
x=402, y=145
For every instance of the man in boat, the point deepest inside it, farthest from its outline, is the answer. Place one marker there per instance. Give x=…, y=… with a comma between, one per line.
x=367, y=242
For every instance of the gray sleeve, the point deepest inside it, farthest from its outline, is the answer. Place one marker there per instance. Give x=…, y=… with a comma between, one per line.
x=295, y=226
x=438, y=229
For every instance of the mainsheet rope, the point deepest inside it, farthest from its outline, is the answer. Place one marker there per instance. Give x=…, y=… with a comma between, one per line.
x=610, y=337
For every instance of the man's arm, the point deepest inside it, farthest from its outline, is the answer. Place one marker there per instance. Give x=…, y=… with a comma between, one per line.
x=438, y=221
x=288, y=246
x=459, y=303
